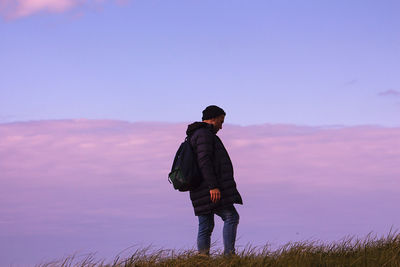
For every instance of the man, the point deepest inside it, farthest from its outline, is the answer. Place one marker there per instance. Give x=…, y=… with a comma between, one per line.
x=217, y=192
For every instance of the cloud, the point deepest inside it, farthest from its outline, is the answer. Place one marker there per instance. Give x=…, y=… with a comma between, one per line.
x=14, y=9
x=390, y=93
x=82, y=179
x=71, y=151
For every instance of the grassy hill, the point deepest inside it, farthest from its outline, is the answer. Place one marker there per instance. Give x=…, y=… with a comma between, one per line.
x=370, y=251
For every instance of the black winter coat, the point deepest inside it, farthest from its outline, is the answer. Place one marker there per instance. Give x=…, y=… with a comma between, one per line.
x=216, y=169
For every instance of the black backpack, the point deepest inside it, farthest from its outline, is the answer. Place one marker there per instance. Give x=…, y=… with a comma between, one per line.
x=185, y=173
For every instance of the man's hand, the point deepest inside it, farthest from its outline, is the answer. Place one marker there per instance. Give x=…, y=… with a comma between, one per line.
x=215, y=195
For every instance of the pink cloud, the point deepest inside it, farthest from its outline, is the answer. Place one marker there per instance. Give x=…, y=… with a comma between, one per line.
x=308, y=156
x=81, y=179
x=311, y=157
x=21, y=8
x=14, y=9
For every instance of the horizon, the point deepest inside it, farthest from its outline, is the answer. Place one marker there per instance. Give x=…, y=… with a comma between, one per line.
x=328, y=126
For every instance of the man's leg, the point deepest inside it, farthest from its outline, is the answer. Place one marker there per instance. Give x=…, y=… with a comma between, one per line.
x=206, y=226
x=231, y=220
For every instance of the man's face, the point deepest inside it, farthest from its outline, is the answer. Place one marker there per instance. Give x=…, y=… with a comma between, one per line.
x=217, y=122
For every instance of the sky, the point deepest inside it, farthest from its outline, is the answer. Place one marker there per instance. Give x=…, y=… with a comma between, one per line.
x=95, y=98
x=295, y=62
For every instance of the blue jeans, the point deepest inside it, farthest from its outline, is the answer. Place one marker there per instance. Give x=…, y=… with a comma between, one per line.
x=206, y=225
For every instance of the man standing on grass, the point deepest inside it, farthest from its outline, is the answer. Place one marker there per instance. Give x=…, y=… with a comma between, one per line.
x=217, y=192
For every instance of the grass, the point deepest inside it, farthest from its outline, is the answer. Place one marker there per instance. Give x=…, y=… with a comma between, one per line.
x=370, y=251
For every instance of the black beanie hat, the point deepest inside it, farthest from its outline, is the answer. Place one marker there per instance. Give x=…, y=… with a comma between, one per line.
x=212, y=112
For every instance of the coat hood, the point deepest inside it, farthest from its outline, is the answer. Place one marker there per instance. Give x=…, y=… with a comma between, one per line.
x=197, y=125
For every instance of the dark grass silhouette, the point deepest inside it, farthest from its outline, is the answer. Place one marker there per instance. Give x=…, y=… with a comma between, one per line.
x=350, y=251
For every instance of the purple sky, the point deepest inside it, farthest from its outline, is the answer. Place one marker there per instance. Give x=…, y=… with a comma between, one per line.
x=80, y=186
x=298, y=62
